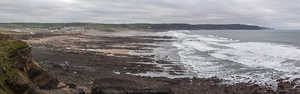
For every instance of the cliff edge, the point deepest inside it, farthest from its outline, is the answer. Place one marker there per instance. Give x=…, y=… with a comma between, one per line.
x=19, y=73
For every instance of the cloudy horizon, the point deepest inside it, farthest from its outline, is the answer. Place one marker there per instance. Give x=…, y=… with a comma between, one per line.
x=278, y=14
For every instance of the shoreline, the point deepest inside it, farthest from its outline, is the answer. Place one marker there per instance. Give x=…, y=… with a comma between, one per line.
x=119, y=33
x=63, y=57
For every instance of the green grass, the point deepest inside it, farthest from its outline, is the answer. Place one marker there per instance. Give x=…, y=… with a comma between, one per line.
x=7, y=46
x=1, y=30
x=33, y=30
x=12, y=33
x=11, y=26
x=142, y=25
x=108, y=27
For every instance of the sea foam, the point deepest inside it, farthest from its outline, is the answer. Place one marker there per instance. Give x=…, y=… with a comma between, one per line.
x=235, y=60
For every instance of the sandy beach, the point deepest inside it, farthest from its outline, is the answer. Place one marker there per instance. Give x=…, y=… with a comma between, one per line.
x=120, y=33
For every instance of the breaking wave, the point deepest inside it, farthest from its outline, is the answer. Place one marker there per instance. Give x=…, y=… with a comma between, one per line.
x=234, y=60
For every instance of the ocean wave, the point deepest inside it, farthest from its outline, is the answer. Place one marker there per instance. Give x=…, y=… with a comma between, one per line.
x=235, y=60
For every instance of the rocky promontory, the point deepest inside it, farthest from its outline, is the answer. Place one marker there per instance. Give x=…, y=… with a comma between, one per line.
x=19, y=73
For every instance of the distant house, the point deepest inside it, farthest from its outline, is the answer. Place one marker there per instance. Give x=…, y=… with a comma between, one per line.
x=17, y=30
x=32, y=32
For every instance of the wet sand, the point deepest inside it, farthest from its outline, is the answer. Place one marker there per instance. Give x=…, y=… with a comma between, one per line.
x=121, y=33
x=102, y=59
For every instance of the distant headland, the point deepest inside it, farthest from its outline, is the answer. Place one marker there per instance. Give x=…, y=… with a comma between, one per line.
x=83, y=27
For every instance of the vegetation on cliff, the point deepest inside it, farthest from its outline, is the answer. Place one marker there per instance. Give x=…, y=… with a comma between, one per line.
x=18, y=72
x=7, y=46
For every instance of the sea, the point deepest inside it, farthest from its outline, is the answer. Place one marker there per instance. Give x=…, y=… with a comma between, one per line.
x=251, y=56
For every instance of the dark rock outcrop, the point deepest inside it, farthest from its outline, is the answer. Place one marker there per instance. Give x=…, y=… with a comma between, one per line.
x=19, y=73
x=122, y=90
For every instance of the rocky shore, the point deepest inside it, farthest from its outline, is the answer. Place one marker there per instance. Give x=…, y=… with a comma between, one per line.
x=100, y=64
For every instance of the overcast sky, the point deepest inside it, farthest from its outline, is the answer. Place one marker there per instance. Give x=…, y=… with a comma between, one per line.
x=278, y=14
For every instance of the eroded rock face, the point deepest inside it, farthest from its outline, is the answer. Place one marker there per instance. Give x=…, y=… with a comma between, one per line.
x=22, y=84
x=22, y=74
x=35, y=73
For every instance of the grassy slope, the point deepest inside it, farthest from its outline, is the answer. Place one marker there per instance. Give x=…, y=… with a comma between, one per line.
x=8, y=46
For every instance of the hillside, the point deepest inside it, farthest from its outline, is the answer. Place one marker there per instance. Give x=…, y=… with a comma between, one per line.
x=87, y=27
x=207, y=27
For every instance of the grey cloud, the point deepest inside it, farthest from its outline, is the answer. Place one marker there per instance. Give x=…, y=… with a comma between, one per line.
x=271, y=13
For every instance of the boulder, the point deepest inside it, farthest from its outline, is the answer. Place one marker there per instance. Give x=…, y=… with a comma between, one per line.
x=71, y=85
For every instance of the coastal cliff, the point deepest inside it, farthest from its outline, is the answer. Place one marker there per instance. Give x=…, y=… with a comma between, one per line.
x=207, y=27
x=19, y=73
